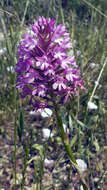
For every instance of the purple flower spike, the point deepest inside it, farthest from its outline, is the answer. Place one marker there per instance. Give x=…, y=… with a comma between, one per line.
x=44, y=67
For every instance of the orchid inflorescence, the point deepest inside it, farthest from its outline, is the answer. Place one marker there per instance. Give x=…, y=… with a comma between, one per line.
x=44, y=69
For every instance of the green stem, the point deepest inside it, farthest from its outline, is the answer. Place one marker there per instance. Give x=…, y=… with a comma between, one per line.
x=25, y=164
x=97, y=10
x=73, y=24
x=25, y=11
x=98, y=79
x=41, y=174
x=15, y=150
x=65, y=141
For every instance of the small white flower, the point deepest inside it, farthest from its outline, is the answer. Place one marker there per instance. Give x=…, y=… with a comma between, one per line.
x=74, y=43
x=48, y=163
x=82, y=56
x=96, y=83
x=82, y=165
x=10, y=69
x=47, y=133
x=45, y=113
x=92, y=106
x=65, y=128
x=100, y=86
x=81, y=187
x=92, y=65
x=2, y=51
x=32, y=113
x=78, y=52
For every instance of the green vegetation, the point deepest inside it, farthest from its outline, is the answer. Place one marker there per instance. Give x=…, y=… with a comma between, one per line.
x=23, y=149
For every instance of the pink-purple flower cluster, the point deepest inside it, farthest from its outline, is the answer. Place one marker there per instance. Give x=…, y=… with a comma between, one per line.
x=44, y=69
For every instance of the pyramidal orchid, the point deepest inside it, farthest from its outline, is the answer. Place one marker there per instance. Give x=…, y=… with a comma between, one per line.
x=47, y=73
x=44, y=67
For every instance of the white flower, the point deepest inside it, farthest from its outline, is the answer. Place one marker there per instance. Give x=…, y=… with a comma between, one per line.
x=100, y=86
x=78, y=52
x=46, y=112
x=81, y=187
x=82, y=165
x=92, y=106
x=65, y=128
x=82, y=56
x=96, y=83
x=47, y=133
x=74, y=43
x=93, y=65
x=32, y=113
x=48, y=163
x=10, y=69
x=2, y=51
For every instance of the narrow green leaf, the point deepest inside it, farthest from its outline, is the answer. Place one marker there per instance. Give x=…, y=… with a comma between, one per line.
x=21, y=122
x=20, y=129
x=73, y=141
